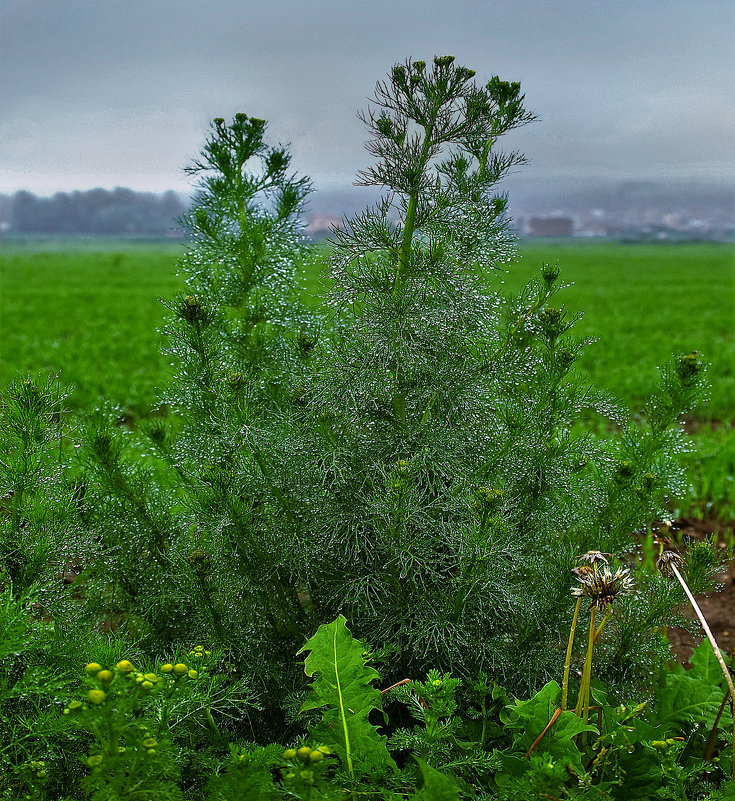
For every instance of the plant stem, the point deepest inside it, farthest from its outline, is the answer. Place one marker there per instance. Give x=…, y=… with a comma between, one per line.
x=583, y=697
x=715, y=648
x=602, y=625
x=568, y=660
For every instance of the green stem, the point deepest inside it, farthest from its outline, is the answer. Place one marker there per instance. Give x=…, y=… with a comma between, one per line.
x=582, y=707
x=602, y=625
x=568, y=660
x=409, y=225
x=17, y=506
x=210, y=721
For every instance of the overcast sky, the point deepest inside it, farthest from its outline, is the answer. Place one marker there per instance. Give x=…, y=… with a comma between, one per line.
x=120, y=92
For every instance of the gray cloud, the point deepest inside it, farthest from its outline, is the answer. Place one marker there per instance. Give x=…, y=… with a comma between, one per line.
x=104, y=93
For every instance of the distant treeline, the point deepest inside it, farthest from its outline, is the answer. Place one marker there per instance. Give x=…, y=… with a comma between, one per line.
x=96, y=211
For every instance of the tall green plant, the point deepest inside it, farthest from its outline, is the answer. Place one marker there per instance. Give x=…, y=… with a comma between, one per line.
x=409, y=463
x=452, y=495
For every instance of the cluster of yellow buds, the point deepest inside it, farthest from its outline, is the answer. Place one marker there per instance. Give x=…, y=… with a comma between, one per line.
x=179, y=670
x=306, y=754
x=38, y=767
x=302, y=759
x=126, y=670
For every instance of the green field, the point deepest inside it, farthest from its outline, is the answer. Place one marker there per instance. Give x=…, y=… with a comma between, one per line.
x=89, y=310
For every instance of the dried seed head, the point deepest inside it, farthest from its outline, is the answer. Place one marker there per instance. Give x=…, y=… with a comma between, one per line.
x=603, y=586
x=594, y=557
x=669, y=559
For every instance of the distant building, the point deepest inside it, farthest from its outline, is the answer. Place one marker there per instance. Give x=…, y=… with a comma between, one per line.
x=549, y=226
x=320, y=225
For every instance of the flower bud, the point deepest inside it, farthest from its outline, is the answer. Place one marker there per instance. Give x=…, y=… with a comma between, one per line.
x=550, y=273
x=96, y=696
x=124, y=667
x=92, y=668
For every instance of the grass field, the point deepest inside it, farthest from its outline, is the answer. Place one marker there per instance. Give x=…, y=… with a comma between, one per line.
x=89, y=310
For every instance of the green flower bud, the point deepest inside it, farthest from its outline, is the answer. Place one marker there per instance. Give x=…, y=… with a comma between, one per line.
x=200, y=562
x=399, y=75
x=688, y=368
x=550, y=273
x=552, y=321
x=303, y=753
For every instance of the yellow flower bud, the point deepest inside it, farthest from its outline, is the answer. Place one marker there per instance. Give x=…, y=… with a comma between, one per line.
x=303, y=753
x=105, y=676
x=125, y=667
x=74, y=708
x=150, y=677
x=289, y=753
x=180, y=669
x=325, y=749
x=96, y=696
x=95, y=760
x=316, y=756
x=167, y=668
x=192, y=674
x=147, y=685
x=92, y=668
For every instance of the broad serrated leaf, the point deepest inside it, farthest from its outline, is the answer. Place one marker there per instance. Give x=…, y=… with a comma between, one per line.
x=437, y=786
x=529, y=718
x=705, y=665
x=638, y=774
x=685, y=699
x=343, y=690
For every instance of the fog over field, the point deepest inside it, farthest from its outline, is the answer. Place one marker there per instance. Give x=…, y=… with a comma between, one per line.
x=121, y=94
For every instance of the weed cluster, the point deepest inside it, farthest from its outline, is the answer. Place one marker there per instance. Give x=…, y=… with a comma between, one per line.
x=408, y=462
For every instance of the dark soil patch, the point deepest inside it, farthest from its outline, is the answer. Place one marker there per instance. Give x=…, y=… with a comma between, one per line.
x=718, y=607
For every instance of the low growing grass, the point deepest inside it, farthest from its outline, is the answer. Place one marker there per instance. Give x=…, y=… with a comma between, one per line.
x=644, y=302
x=89, y=310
